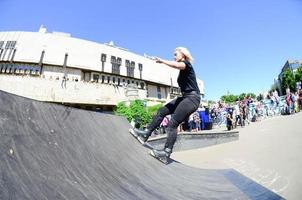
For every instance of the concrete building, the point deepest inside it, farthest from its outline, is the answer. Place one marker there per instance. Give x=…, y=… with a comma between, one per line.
x=56, y=67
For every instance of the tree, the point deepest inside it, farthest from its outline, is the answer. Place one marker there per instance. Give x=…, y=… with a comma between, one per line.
x=298, y=74
x=288, y=81
x=241, y=96
x=230, y=98
x=251, y=95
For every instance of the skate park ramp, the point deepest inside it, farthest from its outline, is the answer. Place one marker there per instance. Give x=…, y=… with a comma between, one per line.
x=51, y=151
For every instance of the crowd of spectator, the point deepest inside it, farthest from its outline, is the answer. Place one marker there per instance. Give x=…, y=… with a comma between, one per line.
x=239, y=113
x=242, y=112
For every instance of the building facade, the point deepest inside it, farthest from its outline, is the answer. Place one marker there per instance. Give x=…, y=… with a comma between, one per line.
x=56, y=67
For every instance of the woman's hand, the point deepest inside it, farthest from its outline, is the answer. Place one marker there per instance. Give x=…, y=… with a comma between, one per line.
x=158, y=60
x=173, y=64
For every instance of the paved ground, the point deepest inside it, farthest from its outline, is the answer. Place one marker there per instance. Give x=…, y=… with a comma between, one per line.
x=268, y=152
x=49, y=151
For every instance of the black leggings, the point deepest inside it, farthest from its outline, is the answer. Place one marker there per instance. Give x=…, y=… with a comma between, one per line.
x=180, y=109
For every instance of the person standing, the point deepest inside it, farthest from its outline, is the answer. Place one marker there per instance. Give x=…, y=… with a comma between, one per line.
x=180, y=108
x=289, y=102
x=237, y=113
x=300, y=100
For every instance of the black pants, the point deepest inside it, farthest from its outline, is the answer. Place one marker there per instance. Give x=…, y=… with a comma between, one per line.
x=180, y=109
x=238, y=119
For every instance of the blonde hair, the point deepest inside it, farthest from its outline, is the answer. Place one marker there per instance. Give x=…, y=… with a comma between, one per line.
x=186, y=53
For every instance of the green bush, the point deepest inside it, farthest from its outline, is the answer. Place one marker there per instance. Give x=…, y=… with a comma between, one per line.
x=153, y=109
x=137, y=111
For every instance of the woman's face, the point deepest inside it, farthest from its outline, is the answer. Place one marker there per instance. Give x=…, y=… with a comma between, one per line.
x=178, y=56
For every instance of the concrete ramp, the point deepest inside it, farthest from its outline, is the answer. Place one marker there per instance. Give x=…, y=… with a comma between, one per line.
x=50, y=151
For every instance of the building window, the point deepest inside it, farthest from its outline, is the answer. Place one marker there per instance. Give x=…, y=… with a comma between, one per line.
x=115, y=69
x=103, y=60
x=95, y=78
x=103, y=78
x=130, y=68
x=5, y=49
x=127, y=63
x=113, y=79
x=140, y=68
x=175, y=90
x=13, y=44
x=113, y=59
x=1, y=44
x=116, y=63
x=9, y=46
x=108, y=79
x=1, y=50
x=158, y=92
x=118, y=81
x=103, y=57
x=142, y=85
x=13, y=56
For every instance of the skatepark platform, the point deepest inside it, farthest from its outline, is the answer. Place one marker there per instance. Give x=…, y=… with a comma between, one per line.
x=49, y=151
x=195, y=140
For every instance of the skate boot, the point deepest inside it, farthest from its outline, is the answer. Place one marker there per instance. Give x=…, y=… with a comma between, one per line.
x=161, y=155
x=141, y=135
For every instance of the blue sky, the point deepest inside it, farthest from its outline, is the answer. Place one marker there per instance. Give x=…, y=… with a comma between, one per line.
x=238, y=45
